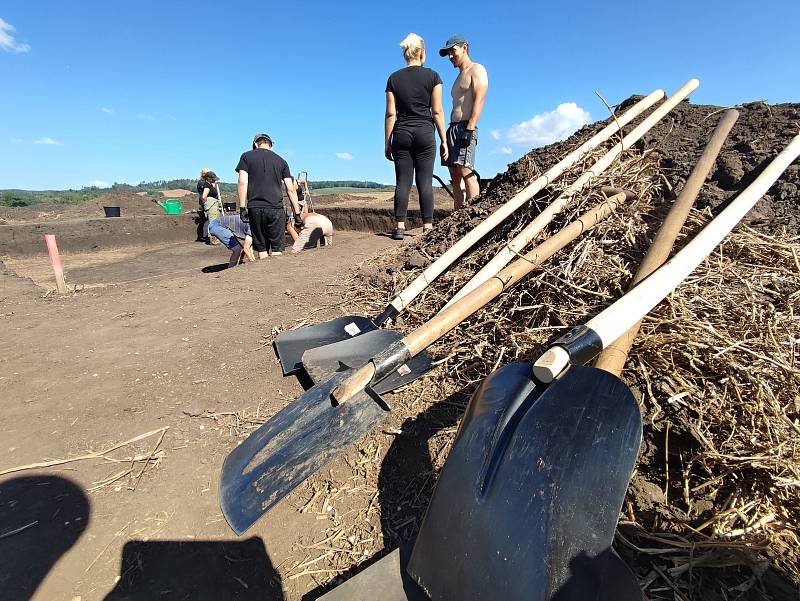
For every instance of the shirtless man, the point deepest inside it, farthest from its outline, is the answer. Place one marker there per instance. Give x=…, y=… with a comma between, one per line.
x=469, y=95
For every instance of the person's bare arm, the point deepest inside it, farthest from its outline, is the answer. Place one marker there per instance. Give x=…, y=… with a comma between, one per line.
x=247, y=247
x=292, y=193
x=480, y=85
x=438, y=118
x=241, y=189
x=388, y=125
x=205, y=194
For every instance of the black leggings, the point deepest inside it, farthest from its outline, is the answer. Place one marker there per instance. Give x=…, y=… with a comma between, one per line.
x=414, y=150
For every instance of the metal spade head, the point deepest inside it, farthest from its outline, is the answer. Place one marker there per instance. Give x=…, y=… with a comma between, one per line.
x=290, y=346
x=531, y=491
x=299, y=440
x=321, y=362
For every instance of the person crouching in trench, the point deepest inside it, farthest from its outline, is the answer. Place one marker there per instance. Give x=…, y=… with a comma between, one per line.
x=316, y=230
x=235, y=235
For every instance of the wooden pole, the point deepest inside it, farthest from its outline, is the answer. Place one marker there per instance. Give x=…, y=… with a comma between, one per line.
x=628, y=310
x=613, y=358
x=55, y=262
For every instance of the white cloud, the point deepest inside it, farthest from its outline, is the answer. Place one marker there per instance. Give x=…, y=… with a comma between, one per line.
x=99, y=184
x=496, y=134
x=505, y=150
x=107, y=110
x=145, y=117
x=546, y=128
x=345, y=156
x=47, y=141
x=7, y=40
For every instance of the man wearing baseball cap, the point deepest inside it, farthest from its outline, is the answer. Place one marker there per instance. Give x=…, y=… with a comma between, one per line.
x=261, y=172
x=469, y=95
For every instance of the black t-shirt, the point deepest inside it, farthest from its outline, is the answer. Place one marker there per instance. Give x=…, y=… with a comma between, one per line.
x=265, y=170
x=412, y=88
x=212, y=189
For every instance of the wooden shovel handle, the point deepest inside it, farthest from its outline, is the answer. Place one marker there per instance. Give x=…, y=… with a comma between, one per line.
x=425, y=335
x=532, y=230
x=613, y=358
x=438, y=326
x=619, y=317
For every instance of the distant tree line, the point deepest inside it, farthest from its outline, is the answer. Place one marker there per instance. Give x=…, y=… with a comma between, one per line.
x=21, y=198
x=228, y=187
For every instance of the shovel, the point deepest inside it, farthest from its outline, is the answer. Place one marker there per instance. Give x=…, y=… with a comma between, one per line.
x=321, y=362
x=291, y=345
x=333, y=414
x=531, y=491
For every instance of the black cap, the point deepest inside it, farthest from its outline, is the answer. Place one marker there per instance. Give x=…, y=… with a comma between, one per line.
x=211, y=175
x=454, y=40
x=258, y=137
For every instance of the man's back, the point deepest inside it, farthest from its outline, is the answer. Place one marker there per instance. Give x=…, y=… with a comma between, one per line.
x=265, y=170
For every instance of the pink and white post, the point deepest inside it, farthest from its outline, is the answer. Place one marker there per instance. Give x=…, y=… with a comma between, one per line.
x=55, y=262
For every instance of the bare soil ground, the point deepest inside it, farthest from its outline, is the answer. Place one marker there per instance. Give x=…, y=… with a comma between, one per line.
x=149, y=343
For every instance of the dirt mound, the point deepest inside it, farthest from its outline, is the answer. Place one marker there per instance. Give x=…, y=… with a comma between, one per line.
x=176, y=193
x=714, y=369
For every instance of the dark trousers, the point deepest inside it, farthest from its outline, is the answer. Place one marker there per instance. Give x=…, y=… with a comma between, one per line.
x=414, y=151
x=268, y=227
x=201, y=222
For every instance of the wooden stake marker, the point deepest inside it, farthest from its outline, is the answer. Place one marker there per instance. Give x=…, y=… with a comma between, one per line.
x=55, y=262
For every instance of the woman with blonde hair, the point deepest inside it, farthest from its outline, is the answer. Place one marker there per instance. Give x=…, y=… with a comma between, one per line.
x=413, y=111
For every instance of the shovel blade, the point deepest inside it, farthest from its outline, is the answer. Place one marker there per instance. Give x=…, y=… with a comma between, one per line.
x=322, y=362
x=528, y=500
x=291, y=446
x=290, y=346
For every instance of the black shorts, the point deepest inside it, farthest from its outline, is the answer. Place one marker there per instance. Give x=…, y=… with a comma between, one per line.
x=268, y=227
x=458, y=154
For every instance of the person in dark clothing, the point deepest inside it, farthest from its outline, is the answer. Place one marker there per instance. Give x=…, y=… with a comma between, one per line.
x=211, y=201
x=413, y=110
x=202, y=222
x=261, y=173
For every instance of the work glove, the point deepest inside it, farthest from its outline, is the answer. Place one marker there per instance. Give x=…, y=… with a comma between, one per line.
x=467, y=136
x=298, y=221
x=244, y=214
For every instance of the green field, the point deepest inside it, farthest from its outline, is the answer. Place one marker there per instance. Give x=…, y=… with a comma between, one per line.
x=346, y=190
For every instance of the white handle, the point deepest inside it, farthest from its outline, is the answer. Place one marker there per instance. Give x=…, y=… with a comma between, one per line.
x=534, y=228
x=632, y=307
x=436, y=268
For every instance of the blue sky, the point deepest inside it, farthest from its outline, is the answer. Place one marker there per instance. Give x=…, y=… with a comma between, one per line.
x=139, y=91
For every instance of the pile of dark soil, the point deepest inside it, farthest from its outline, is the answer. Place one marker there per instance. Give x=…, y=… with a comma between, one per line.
x=713, y=504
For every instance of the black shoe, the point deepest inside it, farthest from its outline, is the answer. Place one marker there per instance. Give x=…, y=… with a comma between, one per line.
x=398, y=233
